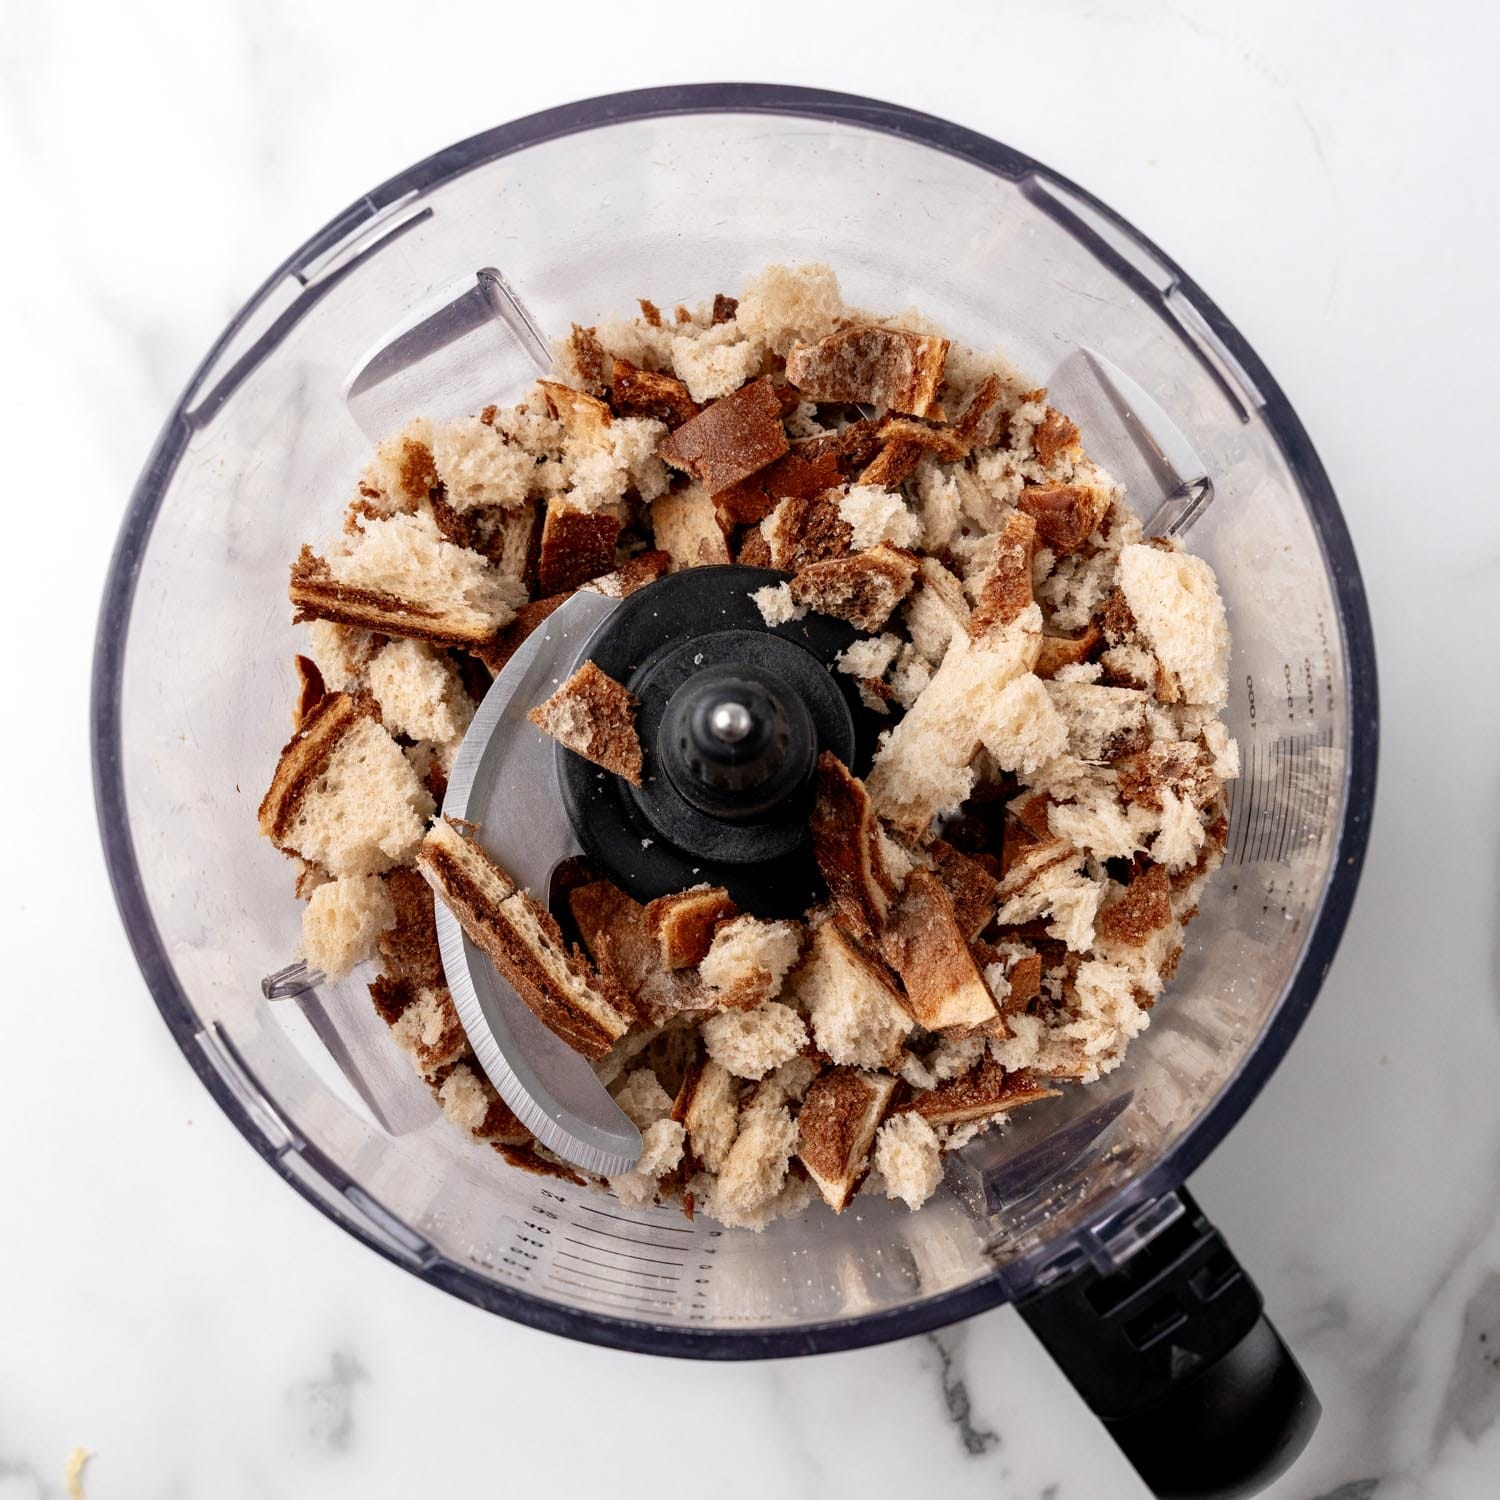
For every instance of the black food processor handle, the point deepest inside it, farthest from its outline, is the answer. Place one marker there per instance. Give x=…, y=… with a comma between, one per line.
x=1174, y=1355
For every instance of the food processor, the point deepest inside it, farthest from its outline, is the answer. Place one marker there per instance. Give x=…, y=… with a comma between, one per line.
x=436, y=294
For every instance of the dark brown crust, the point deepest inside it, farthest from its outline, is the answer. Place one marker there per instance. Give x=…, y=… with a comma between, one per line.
x=1025, y=984
x=887, y=367
x=1116, y=619
x=1053, y=436
x=983, y=420
x=792, y=474
x=499, y=649
x=1067, y=650
x=409, y=950
x=863, y=588
x=725, y=308
x=611, y=740
x=613, y=927
x=924, y=944
x=1066, y=515
x=809, y=529
x=525, y=1159
x=305, y=757
x=1006, y=592
x=836, y=1125
x=318, y=597
x=682, y=924
x=644, y=393
x=755, y=550
x=975, y=893
x=904, y=443
x=631, y=575
x=1144, y=908
x=1177, y=766
x=390, y=998
x=591, y=360
x=983, y=1091
x=576, y=546
x=452, y=526
x=310, y=690
x=418, y=469
x=851, y=447
x=650, y=312
x=729, y=439
x=846, y=843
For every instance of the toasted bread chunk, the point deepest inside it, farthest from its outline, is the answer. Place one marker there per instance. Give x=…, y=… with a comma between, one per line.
x=1006, y=592
x=863, y=589
x=903, y=445
x=926, y=947
x=982, y=421
x=613, y=927
x=853, y=1003
x=1175, y=600
x=974, y=892
x=1144, y=908
x=344, y=797
x=685, y=525
x=397, y=576
x=1066, y=515
x=584, y=416
x=729, y=439
x=409, y=950
x=1103, y=723
x=631, y=576
x=785, y=303
x=593, y=716
x=645, y=393
x=707, y=1105
x=342, y=920
x=1060, y=651
x=589, y=360
x=776, y=605
x=886, y=367
x=683, y=923
x=497, y=651
x=754, y=1171
x=793, y=475
x=1052, y=437
x=1047, y=880
x=875, y=515
x=849, y=849
x=522, y=941
x=909, y=1158
x=577, y=545
x=806, y=530
x=748, y=959
x=429, y=1032
x=1020, y=726
x=987, y=1090
x=471, y=1102
x=750, y=1043
x=755, y=550
x=1178, y=768
x=421, y=695
x=837, y=1125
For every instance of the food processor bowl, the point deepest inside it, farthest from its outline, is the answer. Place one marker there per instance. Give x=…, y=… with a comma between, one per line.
x=434, y=294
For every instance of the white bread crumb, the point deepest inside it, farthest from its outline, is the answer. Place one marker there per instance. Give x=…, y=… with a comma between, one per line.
x=341, y=653
x=776, y=605
x=856, y=1014
x=717, y=361
x=661, y=1151
x=786, y=303
x=1175, y=600
x=479, y=468
x=750, y=1043
x=878, y=515
x=713, y=1115
x=755, y=1169
x=643, y=1098
x=749, y=956
x=389, y=483
x=908, y=1158
x=869, y=657
x=429, y=1031
x=341, y=921
x=464, y=1098
x=1224, y=751
x=421, y=695
x=1020, y=726
x=1181, y=835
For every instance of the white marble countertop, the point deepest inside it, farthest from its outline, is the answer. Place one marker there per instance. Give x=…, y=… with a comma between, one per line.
x=1327, y=173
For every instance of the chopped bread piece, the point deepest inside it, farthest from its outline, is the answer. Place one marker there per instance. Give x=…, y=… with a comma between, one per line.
x=730, y=439
x=1103, y=723
x=408, y=948
x=852, y=1002
x=342, y=921
x=750, y=1043
x=593, y=716
x=863, y=589
x=341, y=654
x=582, y=361
x=311, y=690
x=1144, y=908
x=794, y=475
x=421, y=695
x=1021, y=727
x=748, y=959
x=577, y=545
x=1048, y=880
x=683, y=923
x=429, y=1031
x=497, y=652
x=398, y=576
x=1168, y=767
x=785, y=303
x=470, y=1101
x=803, y=530
x=886, y=367
x=785, y=1084
x=837, y=1125
x=908, y=1157
x=982, y=421
x=1059, y=651
x=642, y=569
x=973, y=890
x=716, y=361
x=402, y=473
x=344, y=797
x=851, y=852
x=987, y=1090
x=707, y=1105
x=1066, y=515
x=522, y=941
x=1006, y=592
x=936, y=611
x=478, y=468
x=926, y=947
x=876, y=515
x=614, y=929
x=686, y=527
x=1053, y=437
x=635, y=392
x=754, y=1171
x=924, y=769
x=1175, y=601
x=642, y=1098
x=776, y=605
x=662, y=1145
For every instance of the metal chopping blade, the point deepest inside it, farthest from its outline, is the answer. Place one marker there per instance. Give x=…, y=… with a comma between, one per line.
x=504, y=780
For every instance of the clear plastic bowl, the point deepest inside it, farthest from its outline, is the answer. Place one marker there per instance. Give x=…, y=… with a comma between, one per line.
x=675, y=194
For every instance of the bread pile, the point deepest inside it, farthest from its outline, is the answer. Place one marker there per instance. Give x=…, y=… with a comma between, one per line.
x=1007, y=886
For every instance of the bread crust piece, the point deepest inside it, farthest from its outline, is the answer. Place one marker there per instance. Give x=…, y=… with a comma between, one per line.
x=645, y=393
x=613, y=927
x=730, y=439
x=310, y=690
x=794, y=474
x=1066, y=515
x=593, y=716
x=837, y=1124
x=682, y=924
x=863, y=589
x=1006, y=592
x=632, y=575
x=409, y=951
x=1052, y=437
x=887, y=367
x=576, y=546
x=685, y=525
x=974, y=892
x=305, y=757
x=805, y=529
x=925, y=946
x=1067, y=650
x=847, y=845
x=522, y=941
x=1144, y=908
x=978, y=1094
x=499, y=649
